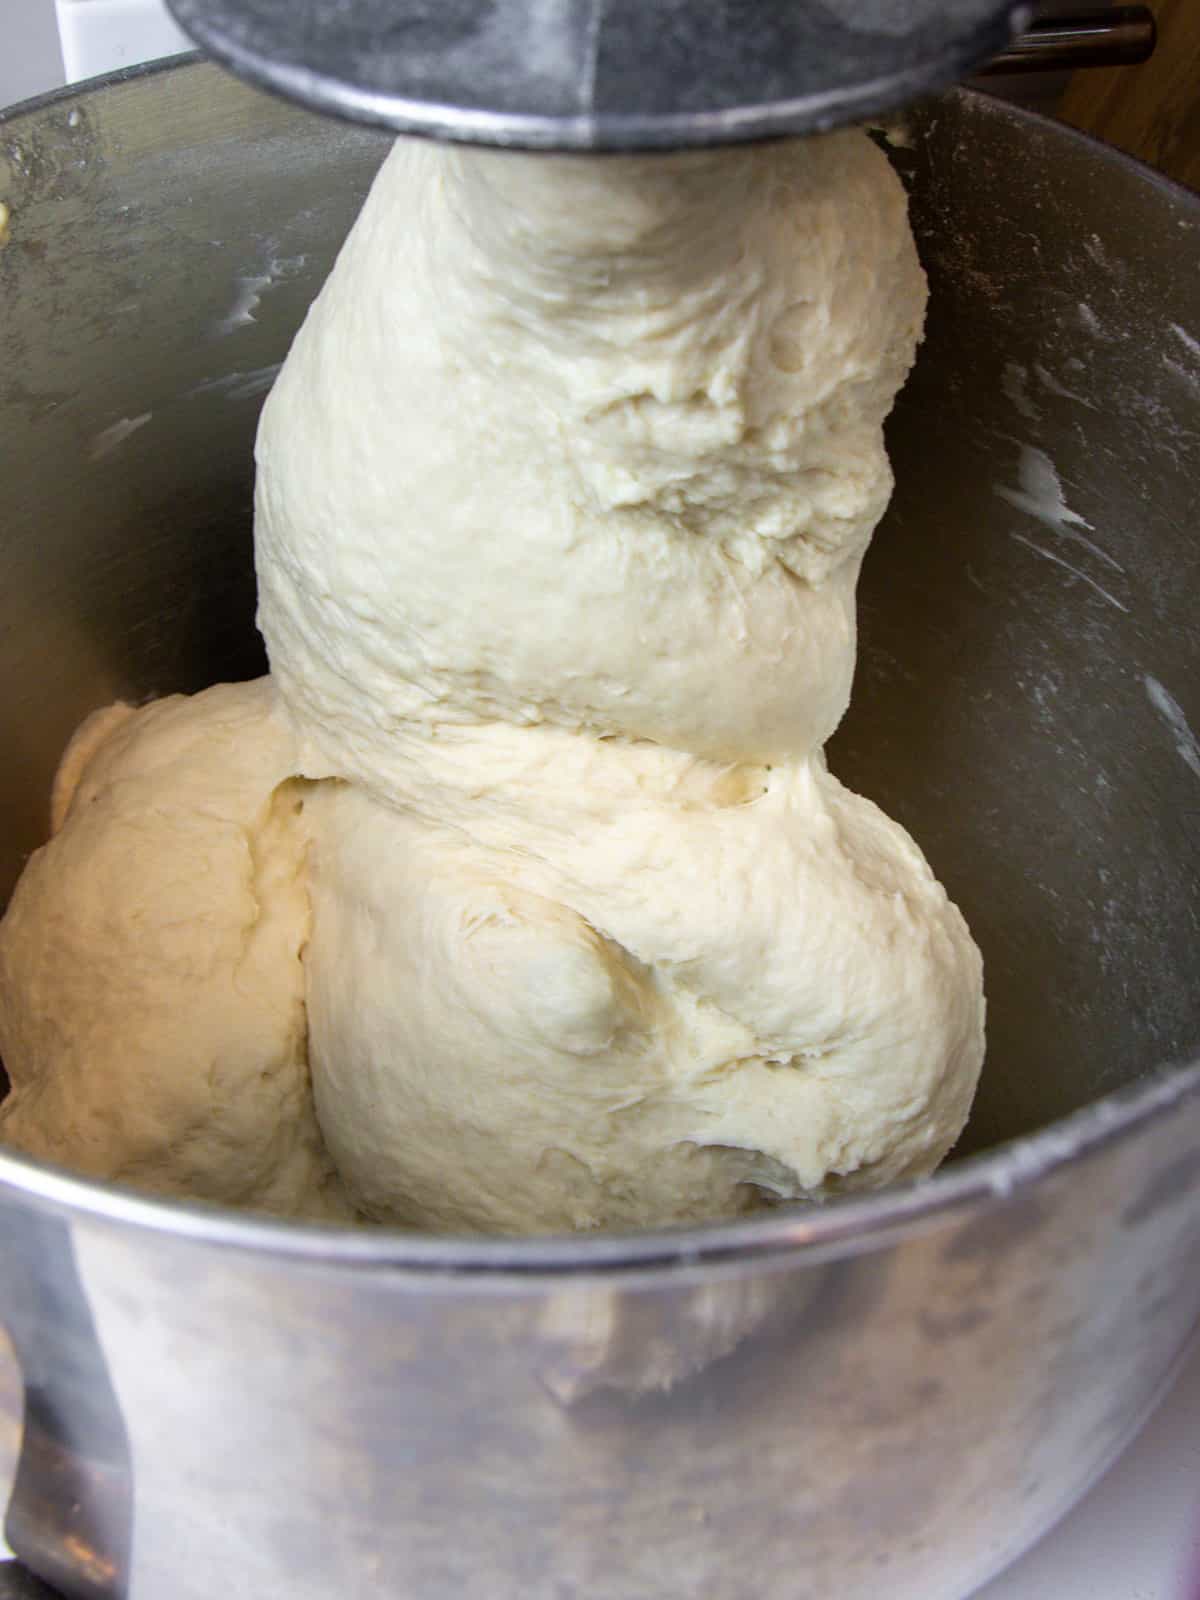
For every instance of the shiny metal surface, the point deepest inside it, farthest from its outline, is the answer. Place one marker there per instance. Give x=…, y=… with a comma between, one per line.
x=637, y=74
x=601, y=74
x=893, y=1395
x=1114, y=36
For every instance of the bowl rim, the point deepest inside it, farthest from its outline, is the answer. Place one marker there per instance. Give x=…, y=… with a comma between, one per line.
x=845, y=1227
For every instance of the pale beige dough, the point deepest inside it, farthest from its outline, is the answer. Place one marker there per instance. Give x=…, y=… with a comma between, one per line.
x=152, y=1010
x=528, y=850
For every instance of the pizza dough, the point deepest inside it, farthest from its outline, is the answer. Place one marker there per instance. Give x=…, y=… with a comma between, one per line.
x=527, y=853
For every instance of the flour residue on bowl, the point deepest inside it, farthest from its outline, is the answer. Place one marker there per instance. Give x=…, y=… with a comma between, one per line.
x=239, y=385
x=1056, y=386
x=1188, y=372
x=253, y=286
x=1095, y=248
x=110, y=439
x=1169, y=709
x=1076, y=572
x=1015, y=384
x=1039, y=494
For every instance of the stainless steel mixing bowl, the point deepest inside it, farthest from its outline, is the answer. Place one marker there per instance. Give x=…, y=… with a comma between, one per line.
x=890, y=1396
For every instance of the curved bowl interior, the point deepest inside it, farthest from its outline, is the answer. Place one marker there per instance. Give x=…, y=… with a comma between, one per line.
x=1028, y=681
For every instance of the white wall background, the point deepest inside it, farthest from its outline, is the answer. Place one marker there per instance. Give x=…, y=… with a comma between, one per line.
x=97, y=36
x=30, y=60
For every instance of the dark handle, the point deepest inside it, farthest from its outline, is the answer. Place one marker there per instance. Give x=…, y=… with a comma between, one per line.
x=1116, y=36
x=17, y=1584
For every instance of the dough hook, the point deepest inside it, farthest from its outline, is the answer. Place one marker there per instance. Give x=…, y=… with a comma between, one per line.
x=635, y=74
x=602, y=74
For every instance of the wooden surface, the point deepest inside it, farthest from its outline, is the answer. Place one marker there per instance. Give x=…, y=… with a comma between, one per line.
x=1151, y=111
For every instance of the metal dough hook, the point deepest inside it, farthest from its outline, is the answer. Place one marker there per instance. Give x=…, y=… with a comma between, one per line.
x=602, y=74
